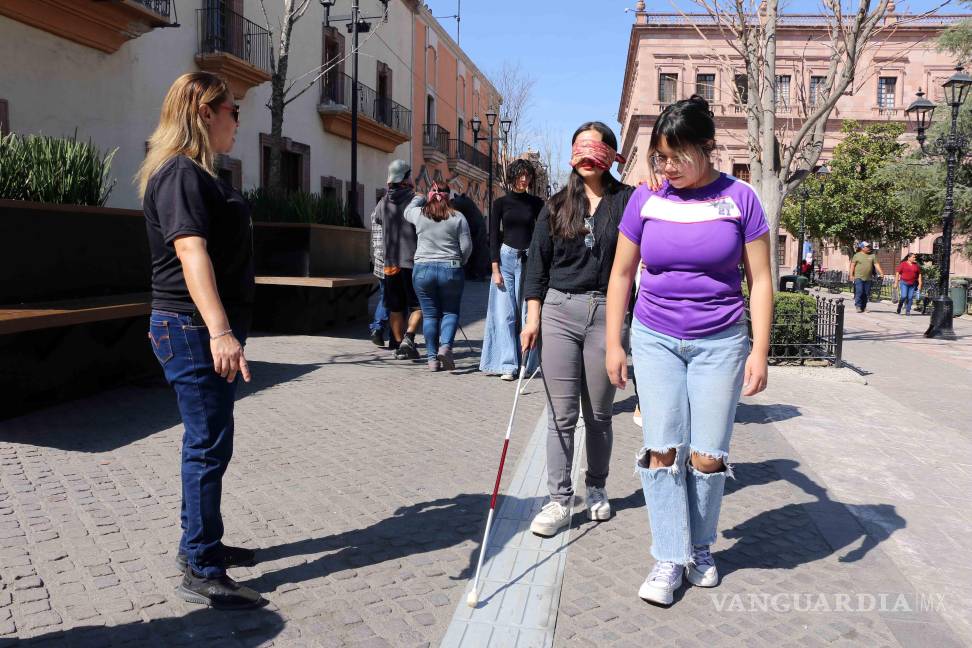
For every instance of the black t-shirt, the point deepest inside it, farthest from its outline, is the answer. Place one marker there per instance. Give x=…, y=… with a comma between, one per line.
x=518, y=214
x=181, y=199
x=568, y=265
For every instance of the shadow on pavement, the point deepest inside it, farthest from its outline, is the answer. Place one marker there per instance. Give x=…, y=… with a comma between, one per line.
x=117, y=418
x=757, y=413
x=203, y=627
x=795, y=534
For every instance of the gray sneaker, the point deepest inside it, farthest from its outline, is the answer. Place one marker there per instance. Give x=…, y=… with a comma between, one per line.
x=445, y=358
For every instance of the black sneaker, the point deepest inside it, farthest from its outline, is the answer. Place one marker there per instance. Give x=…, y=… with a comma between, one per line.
x=230, y=557
x=378, y=337
x=221, y=592
x=407, y=350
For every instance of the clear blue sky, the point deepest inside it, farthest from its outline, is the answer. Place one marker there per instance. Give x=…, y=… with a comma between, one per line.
x=576, y=49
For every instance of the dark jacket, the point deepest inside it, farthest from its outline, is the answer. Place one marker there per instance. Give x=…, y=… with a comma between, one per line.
x=398, y=234
x=478, y=264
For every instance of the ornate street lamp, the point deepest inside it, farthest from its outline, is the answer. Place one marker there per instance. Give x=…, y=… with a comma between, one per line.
x=952, y=147
x=490, y=137
x=804, y=195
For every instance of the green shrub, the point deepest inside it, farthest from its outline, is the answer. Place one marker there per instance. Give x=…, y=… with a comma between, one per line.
x=54, y=170
x=794, y=323
x=272, y=206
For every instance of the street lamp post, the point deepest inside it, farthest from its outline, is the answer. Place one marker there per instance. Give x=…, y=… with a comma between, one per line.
x=952, y=147
x=821, y=173
x=489, y=137
x=356, y=24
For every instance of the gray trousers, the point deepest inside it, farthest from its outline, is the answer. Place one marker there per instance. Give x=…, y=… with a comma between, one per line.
x=572, y=329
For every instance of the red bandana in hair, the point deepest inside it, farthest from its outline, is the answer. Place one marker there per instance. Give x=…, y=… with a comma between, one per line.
x=437, y=194
x=600, y=154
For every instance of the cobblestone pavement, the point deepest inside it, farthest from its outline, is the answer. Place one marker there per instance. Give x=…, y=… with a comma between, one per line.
x=362, y=480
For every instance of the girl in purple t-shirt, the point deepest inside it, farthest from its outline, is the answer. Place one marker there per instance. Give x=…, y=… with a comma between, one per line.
x=689, y=338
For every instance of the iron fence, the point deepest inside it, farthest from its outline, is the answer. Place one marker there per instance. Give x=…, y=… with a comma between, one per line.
x=224, y=31
x=807, y=328
x=459, y=150
x=161, y=7
x=435, y=137
x=336, y=89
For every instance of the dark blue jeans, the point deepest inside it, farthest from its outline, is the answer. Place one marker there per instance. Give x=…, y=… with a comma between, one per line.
x=381, y=313
x=862, y=293
x=438, y=286
x=206, y=404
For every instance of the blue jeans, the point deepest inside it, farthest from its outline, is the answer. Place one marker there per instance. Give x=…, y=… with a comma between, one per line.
x=438, y=285
x=862, y=292
x=206, y=404
x=907, y=296
x=501, y=349
x=688, y=390
x=381, y=313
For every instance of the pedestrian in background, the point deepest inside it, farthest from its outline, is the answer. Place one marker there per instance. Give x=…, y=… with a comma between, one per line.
x=443, y=247
x=567, y=278
x=864, y=269
x=689, y=339
x=379, y=323
x=399, y=241
x=201, y=241
x=511, y=226
x=910, y=282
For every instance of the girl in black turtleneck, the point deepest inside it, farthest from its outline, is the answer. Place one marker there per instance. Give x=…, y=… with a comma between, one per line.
x=510, y=231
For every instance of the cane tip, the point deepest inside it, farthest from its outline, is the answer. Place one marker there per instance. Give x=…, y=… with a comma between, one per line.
x=472, y=600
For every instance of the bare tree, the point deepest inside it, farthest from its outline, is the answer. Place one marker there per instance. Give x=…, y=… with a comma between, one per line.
x=783, y=151
x=282, y=92
x=551, y=149
x=516, y=87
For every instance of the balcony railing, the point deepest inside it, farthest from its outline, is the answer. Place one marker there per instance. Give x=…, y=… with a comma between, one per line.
x=459, y=150
x=435, y=137
x=223, y=31
x=337, y=90
x=161, y=7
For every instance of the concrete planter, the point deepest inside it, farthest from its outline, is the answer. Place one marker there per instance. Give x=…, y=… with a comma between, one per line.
x=299, y=250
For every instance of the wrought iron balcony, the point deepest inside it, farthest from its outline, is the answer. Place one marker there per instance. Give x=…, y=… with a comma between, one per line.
x=161, y=7
x=336, y=90
x=435, y=139
x=222, y=31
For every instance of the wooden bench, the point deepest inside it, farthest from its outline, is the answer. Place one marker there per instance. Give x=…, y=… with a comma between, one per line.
x=57, y=350
x=310, y=304
x=18, y=318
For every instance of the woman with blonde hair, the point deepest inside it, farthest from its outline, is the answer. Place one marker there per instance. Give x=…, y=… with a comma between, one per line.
x=201, y=242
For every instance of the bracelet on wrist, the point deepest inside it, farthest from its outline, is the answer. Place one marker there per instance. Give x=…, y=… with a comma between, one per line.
x=219, y=335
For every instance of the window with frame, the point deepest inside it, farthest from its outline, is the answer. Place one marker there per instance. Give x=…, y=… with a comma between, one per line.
x=817, y=87
x=705, y=86
x=781, y=249
x=333, y=59
x=781, y=92
x=741, y=171
x=667, y=87
x=742, y=91
x=886, y=92
x=294, y=164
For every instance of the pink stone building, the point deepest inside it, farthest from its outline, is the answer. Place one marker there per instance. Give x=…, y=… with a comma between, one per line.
x=668, y=60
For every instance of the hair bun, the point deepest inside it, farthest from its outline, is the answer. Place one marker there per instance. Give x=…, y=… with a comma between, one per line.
x=700, y=101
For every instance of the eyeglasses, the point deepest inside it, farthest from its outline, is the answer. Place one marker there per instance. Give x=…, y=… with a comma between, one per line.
x=589, y=237
x=234, y=110
x=659, y=162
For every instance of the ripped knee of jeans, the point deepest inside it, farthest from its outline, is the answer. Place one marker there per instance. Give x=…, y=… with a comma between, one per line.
x=643, y=459
x=706, y=463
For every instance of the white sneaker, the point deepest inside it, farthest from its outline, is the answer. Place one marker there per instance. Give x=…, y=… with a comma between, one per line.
x=551, y=519
x=598, y=506
x=702, y=571
x=636, y=417
x=508, y=377
x=660, y=586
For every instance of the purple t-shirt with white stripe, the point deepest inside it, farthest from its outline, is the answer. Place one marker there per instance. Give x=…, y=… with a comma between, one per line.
x=691, y=243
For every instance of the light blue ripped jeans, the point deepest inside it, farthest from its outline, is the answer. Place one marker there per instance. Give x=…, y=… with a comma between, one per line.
x=688, y=390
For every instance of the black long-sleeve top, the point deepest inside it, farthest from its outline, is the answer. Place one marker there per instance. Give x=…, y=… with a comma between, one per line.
x=518, y=214
x=568, y=265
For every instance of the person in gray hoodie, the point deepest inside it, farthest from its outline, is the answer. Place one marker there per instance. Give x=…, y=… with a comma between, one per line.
x=399, y=240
